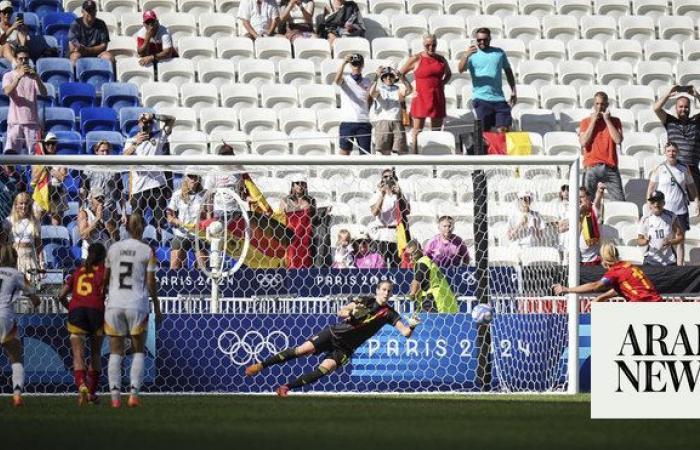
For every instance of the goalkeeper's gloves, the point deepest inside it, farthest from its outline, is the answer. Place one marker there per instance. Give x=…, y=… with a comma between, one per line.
x=413, y=322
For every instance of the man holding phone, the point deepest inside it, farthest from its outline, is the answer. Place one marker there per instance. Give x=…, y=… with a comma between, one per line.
x=683, y=129
x=14, y=34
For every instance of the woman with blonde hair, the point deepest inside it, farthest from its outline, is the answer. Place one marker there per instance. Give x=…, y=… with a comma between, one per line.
x=25, y=235
x=621, y=279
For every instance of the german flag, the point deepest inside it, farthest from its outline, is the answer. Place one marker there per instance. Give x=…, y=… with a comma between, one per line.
x=589, y=228
x=403, y=235
x=41, y=190
x=514, y=143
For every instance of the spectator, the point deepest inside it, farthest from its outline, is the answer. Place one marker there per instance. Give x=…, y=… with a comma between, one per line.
x=259, y=17
x=93, y=222
x=364, y=258
x=599, y=135
x=659, y=231
x=673, y=179
x=389, y=130
x=11, y=183
x=387, y=205
x=22, y=85
x=88, y=36
x=486, y=65
x=525, y=226
x=299, y=208
x=563, y=220
x=343, y=257
x=297, y=19
x=223, y=206
x=591, y=216
x=446, y=249
x=26, y=235
x=153, y=41
x=58, y=198
x=429, y=287
x=341, y=18
x=683, y=129
x=354, y=106
x=184, y=214
x=431, y=72
x=13, y=35
x=149, y=188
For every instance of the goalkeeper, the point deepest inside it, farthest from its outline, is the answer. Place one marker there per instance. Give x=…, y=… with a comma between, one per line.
x=362, y=319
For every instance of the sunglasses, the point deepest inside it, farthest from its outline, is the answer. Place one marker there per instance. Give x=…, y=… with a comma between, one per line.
x=51, y=143
x=6, y=12
x=483, y=40
x=431, y=45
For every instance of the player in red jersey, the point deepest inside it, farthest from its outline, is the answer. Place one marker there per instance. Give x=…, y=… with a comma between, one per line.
x=622, y=278
x=86, y=312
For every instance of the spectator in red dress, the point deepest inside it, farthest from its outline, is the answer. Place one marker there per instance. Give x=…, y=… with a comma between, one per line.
x=299, y=210
x=153, y=41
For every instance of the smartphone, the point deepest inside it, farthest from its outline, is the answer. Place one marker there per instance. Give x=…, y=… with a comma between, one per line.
x=685, y=89
x=20, y=17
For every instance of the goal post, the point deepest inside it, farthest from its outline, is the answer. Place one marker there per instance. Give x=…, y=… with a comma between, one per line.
x=286, y=285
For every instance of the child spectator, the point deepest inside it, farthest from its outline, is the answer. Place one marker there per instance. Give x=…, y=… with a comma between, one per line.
x=343, y=257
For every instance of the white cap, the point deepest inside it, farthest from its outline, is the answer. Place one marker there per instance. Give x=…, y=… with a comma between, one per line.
x=5, y=4
x=523, y=194
x=362, y=235
x=49, y=136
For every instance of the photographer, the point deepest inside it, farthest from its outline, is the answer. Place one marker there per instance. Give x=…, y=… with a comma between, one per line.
x=13, y=34
x=22, y=85
x=94, y=224
x=153, y=41
x=389, y=131
x=149, y=188
x=384, y=208
x=354, y=106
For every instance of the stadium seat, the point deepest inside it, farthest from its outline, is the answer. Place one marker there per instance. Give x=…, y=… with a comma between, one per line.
x=316, y=50
x=177, y=71
x=587, y=50
x=638, y=28
x=57, y=24
x=199, y=95
x=561, y=143
x=77, y=96
x=97, y=119
x=447, y=27
x=122, y=47
x=558, y=97
x=464, y=8
x=654, y=74
x=119, y=95
x=523, y=28
x=159, y=94
x=216, y=72
x=515, y=49
x=130, y=71
x=537, y=120
x=109, y=19
x=528, y=97
x=501, y=8
x=236, y=139
x=651, y=162
x=536, y=73
x=576, y=73
x=636, y=98
x=237, y=96
x=562, y=28
x=95, y=71
x=628, y=166
x=195, y=7
x=128, y=118
x=312, y=143
x=296, y=72
x=192, y=143
x=69, y=142
x=650, y=8
x=278, y=96
x=256, y=72
x=391, y=49
x=55, y=71
x=387, y=7
x=458, y=47
x=113, y=137
x=676, y=28
x=504, y=256
x=256, y=119
x=436, y=143
x=234, y=48
x=552, y=50
x=351, y=45
x=539, y=256
x=635, y=143
x=59, y=119
x=570, y=119
x=587, y=92
x=617, y=213
x=227, y=6
x=377, y=25
x=131, y=22
x=493, y=23
x=626, y=118
x=626, y=50
x=425, y=8
x=269, y=142
x=688, y=73
x=216, y=25
x=611, y=8
x=196, y=48
x=662, y=50
x=575, y=8
x=119, y=6
x=317, y=97
x=648, y=122
x=615, y=73
x=52, y=234
x=294, y=120
x=186, y=117
x=217, y=119
x=273, y=48
x=691, y=50
x=416, y=46
x=537, y=8
x=328, y=120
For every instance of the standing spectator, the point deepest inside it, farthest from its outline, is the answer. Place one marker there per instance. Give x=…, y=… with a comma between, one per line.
x=486, y=65
x=184, y=215
x=599, y=135
x=446, y=249
x=13, y=35
x=354, y=106
x=683, y=129
x=432, y=72
x=389, y=132
x=525, y=226
x=364, y=257
x=25, y=235
x=224, y=207
x=259, y=17
x=343, y=257
x=591, y=216
x=153, y=41
x=149, y=188
x=341, y=18
x=673, y=179
x=58, y=198
x=297, y=19
x=299, y=208
x=22, y=86
x=563, y=220
x=88, y=36
x=387, y=206
x=659, y=231
x=93, y=223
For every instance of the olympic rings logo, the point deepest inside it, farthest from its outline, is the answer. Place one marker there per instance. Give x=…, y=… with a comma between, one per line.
x=242, y=350
x=269, y=280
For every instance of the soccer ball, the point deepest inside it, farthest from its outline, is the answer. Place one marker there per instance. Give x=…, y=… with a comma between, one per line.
x=215, y=229
x=482, y=314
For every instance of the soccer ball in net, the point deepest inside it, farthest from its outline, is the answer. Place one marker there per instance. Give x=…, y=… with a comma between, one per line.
x=482, y=314
x=215, y=229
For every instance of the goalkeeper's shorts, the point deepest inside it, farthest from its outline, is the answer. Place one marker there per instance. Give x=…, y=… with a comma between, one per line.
x=325, y=342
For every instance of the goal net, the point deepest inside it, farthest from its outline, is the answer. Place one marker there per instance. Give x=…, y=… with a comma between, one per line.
x=257, y=254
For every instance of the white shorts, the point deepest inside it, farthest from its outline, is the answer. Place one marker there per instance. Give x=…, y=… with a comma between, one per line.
x=8, y=329
x=125, y=321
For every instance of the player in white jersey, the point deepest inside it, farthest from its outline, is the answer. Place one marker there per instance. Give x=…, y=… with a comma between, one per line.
x=659, y=232
x=11, y=282
x=131, y=267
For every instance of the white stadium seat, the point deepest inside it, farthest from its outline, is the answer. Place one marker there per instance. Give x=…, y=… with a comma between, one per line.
x=216, y=71
x=237, y=96
x=234, y=48
x=493, y=23
x=561, y=143
x=122, y=47
x=177, y=70
x=636, y=98
x=351, y=45
x=377, y=26
x=328, y=120
x=278, y=96
x=316, y=50
x=640, y=142
x=620, y=212
x=159, y=94
x=524, y=28
x=586, y=93
x=196, y=48
x=294, y=120
x=436, y=143
x=119, y=6
x=528, y=96
x=199, y=95
x=570, y=119
x=273, y=48
x=193, y=143
x=654, y=74
x=563, y=28
x=296, y=72
x=186, y=118
x=227, y=6
x=626, y=50
x=575, y=8
x=611, y=8
x=252, y=119
x=161, y=7
x=639, y=28
x=195, y=7
x=588, y=50
x=650, y=8
x=628, y=166
x=131, y=23
x=236, y=139
x=409, y=26
x=180, y=25
x=464, y=8
x=648, y=122
x=130, y=71
x=312, y=143
x=447, y=27
x=662, y=50
x=537, y=8
x=392, y=49
x=558, y=97
x=536, y=73
x=615, y=73
x=676, y=28
x=256, y=72
x=515, y=49
x=387, y=7
x=552, y=50
x=216, y=25
x=687, y=8
x=600, y=28
x=632, y=254
x=576, y=73
x=317, y=97
x=110, y=21
x=269, y=142
x=501, y=8
x=537, y=120
x=425, y=7
x=217, y=119
x=688, y=73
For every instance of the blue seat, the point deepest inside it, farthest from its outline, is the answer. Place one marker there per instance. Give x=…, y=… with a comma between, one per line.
x=55, y=70
x=41, y=7
x=57, y=24
x=72, y=182
x=120, y=95
x=51, y=41
x=59, y=119
x=31, y=21
x=3, y=119
x=5, y=64
x=48, y=100
x=97, y=119
x=113, y=137
x=128, y=118
x=77, y=252
x=69, y=143
x=77, y=96
x=95, y=71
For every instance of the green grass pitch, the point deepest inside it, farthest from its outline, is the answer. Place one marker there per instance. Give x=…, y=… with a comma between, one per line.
x=333, y=422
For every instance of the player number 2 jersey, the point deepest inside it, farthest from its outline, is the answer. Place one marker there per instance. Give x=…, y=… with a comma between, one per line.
x=11, y=281
x=129, y=261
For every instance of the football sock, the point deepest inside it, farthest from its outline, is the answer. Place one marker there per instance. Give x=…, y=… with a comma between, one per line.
x=93, y=380
x=17, y=378
x=308, y=378
x=137, y=372
x=279, y=358
x=79, y=376
x=114, y=375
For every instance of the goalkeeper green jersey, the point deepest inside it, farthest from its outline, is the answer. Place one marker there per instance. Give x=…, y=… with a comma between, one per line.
x=433, y=282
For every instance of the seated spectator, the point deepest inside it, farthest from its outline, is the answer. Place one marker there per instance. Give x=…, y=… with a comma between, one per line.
x=25, y=235
x=447, y=249
x=659, y=231
x=297, y=19
x=93, y=222
x=364, y=258
x=341, y=18
x=563, y=219
x=525, y=226
x=88, y=36
x=112, y=186
x=153, y=41
x=13, y=34
x=385, y=204
x=389, y=131
x=343, y=257
x=299, y=208
x=259, y=17
x=591, y=217
x=184, y=214
x=58, y=198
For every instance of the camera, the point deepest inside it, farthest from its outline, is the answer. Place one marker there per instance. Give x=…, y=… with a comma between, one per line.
x=684, y=89
x=357, y=60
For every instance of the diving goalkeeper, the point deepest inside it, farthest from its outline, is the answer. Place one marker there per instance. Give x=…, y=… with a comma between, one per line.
x=362, y=319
